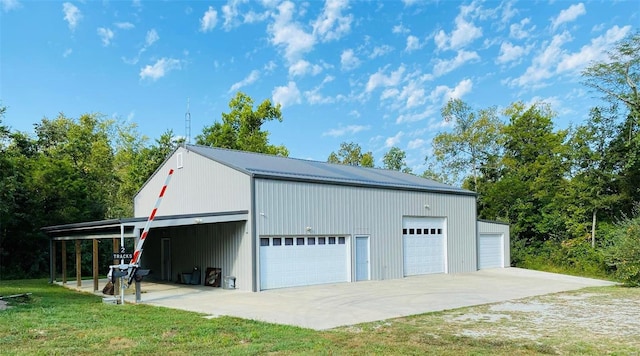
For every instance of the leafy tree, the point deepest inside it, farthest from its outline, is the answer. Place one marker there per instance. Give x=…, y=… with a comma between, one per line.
x=617, y=79
x=590, y=190
x=476, y=137
x=395, y=160
x=241, y=128
x=351, y=154
x=534, y=168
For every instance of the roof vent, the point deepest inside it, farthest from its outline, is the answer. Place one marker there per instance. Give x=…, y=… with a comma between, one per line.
x=179, y=163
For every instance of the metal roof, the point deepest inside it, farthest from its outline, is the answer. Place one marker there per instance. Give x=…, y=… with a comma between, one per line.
x=284, y=168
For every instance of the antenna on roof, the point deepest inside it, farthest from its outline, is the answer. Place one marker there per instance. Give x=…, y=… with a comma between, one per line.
x=187, y=125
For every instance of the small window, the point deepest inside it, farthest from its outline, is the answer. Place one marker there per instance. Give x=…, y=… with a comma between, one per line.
x=341, y=240
x=288, y=241
x=332, y=240
x=321, y=240
x=300, y=241
x=418, y=231
x=404, y=231
x=264, y=241
x=277, y=241
x=426, y=231
x=439, y=231
x=433, y=231
x=412, y=231
x=311, y=241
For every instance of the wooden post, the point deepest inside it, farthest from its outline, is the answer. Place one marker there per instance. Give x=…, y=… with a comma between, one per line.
x=78, y=264
x=95, y=265
x=53, y=261
x=64, y=261
x=116, y=281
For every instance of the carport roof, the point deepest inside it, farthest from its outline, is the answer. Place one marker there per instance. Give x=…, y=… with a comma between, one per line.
x=111, y=228
x=284, y=168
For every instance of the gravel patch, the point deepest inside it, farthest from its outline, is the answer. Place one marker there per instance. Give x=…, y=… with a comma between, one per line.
x=591, y=315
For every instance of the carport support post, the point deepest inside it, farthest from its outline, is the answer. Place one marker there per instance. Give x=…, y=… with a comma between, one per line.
x=116, y=281
x=64, y=261
x=95, y=265
x=78, y=264
x=52, y=251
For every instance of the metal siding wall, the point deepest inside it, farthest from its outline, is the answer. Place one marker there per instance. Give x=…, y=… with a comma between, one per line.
x=287, y=208
x=201, y=186
x=489, y=227
x=220, y=245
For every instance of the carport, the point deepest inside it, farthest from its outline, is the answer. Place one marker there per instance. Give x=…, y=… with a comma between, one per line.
x=125, y=232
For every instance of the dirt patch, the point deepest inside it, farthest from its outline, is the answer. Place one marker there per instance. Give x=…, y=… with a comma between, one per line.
x=566, y=315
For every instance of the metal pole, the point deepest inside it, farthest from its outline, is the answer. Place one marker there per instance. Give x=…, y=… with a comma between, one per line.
x=121, y=263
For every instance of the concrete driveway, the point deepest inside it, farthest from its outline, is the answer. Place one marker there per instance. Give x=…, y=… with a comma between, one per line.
x=332, y=305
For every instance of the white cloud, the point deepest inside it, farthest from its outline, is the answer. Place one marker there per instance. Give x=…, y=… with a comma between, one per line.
x=413, y=94
x=414, y=144
x=394, y=140
x=442, y=93
x=443, y=66
x=67, y=52
x=511, y=53
x=542, y=65
x=400, y=29
x=519, y=30
x=380, y=51
x=209, y=20
x=230, y=13
x=250, y=79
x=594, y=51
x=379, y=79
x=410, y=2
x=332, y=24
x=302, y=67
x=413, y=43
x=508, y=12
x=554, y=60
x=151, y=38
x=286, y=95
x=8, y=5
x=124, y=25
x=71, y=14
x=106, y=35
x=252, y=17
x=288, y=34
x=568, y=15
x=464, y=32
x=159, y=69
x=341, y=131
x=416, y=116
x=348, y=60
x=270, y=66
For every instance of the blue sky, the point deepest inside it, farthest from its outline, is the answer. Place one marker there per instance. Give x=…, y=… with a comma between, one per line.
x=371, y=72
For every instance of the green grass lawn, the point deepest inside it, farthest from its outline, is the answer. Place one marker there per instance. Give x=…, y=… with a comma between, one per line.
x=56, y=320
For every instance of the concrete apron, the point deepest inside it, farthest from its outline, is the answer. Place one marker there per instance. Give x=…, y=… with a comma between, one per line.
x=331, y=305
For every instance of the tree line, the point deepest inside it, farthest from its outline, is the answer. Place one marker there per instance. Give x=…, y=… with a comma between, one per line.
x=570, y=195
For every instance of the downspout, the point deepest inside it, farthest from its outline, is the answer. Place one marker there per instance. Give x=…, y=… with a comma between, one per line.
x=254, y=254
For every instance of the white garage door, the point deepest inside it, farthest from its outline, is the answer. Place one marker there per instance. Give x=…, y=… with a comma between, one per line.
x=424, y=241
x=301, y=261
x=490, y=251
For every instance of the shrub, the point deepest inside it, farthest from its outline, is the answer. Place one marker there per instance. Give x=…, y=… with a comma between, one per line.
x=624, y=253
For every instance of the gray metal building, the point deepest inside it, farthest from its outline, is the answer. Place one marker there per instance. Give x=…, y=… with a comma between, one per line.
x=276, y=222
